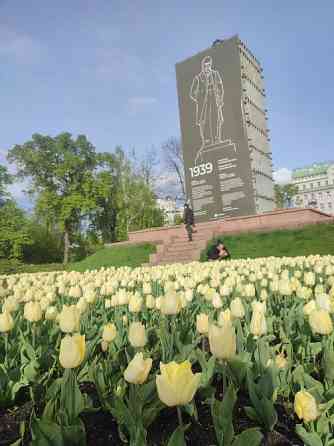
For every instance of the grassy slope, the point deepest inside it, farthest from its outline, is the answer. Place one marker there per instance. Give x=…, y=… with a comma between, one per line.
x=313, y=239
x=133, y=256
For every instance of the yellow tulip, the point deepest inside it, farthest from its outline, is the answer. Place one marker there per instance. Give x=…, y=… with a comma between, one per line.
x=6, y=322
x=237, y=308
x=138, y=369
x=306, y=406
x=281, y=361
x=137, y=334
x=202, y=323
x=222, y=340
x=170, y=304
x=177, y=384
x=258, y=325
x=69, y=319
x=135, y=303
x=51, y=313
x=321, y=322
x=109, y=332
x=33, y=311
x=72, y=351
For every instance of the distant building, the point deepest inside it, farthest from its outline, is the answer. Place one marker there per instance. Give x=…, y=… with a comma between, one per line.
x=170, y=208
x=315, y=186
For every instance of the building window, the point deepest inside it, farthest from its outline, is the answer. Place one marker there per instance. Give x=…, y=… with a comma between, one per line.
x=311, y=185
x=304, y=186
x=329, y=205
x=319, y=184
x=321, y=206
x=326, y=182
x=320, y=194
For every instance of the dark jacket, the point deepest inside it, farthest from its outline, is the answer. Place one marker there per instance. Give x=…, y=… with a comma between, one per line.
x=213, y=254
x=188, y=216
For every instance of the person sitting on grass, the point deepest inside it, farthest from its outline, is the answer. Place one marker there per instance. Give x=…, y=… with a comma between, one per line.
x=218, y=251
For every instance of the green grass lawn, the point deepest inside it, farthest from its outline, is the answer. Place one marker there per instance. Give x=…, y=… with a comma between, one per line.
x=131, y=255
x=312, y=239
x=134, y=255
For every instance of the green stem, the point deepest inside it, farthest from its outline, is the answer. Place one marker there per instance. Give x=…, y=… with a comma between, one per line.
x=6, y=349
x=33, y=331
x=179, y=416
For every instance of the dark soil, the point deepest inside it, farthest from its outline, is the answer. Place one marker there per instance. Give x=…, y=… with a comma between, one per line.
x=102, y=430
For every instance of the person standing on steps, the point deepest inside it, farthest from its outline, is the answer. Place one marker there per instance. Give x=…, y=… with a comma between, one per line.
x=189, y=222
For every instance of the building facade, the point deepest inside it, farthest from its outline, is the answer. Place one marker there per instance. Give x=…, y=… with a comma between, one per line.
x=256, y=127
x=225, y=138
x=169, y=206
x=315, y=185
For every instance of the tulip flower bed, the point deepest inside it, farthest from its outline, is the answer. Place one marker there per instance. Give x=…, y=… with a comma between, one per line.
x=232, y=354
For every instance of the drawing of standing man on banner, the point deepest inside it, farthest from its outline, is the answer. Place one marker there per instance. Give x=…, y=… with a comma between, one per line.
x=207, y=92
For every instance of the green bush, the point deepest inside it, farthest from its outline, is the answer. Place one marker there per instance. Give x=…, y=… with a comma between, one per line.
x=46, y=246
x=16, y=267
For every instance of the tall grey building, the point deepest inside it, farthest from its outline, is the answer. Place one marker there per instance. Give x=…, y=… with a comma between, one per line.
x=225, y=140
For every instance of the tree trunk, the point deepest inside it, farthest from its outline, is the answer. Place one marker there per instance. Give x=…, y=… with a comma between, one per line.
x=66, y=245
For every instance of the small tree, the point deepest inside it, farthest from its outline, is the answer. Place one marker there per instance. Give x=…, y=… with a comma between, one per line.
x=284, y=194
x=173, y=157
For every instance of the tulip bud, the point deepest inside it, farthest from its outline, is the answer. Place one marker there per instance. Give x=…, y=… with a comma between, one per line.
x=150, y=301
x=147, y=289
x=6, y=322
x=222, y=340
x=202, y=323
x=138, y=369
x=321, y=322
x=306, y=406
x=237, y=308
x=69, y=319
x=258, y=325
x=249, y=290
x=224, y=316
x=51, y=314
x=135, y=303
x=217, y=302
x=104, y=346
x=170, y=304
x=109, y=332
x=323, y=302
x=137, y=334
x=72, y=351
x=177, y=385
x=33, y=311
x=281, y=361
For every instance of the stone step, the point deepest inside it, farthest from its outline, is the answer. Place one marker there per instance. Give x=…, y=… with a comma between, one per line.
x=195, y=255
x=196, y=237
x=180, y=250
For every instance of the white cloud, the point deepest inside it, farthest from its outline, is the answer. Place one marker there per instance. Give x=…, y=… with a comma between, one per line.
x=22, y=47
x=282, y=175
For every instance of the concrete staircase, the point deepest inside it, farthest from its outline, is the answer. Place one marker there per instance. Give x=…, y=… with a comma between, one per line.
x=179, y=249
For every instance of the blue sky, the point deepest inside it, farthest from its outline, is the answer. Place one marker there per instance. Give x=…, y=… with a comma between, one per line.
x=106, y=69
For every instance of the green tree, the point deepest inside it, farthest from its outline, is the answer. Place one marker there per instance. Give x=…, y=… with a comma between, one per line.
x=5, y=180
x=61, y=170
x=284, y=194
x=125, y=199
x=14, y=234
